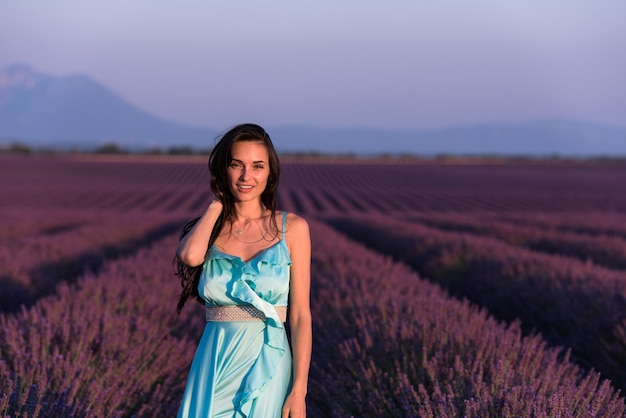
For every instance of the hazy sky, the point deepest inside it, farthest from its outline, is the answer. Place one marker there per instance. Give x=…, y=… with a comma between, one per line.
x=412, y=64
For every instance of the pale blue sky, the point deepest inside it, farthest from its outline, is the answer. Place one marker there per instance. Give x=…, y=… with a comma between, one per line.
x=392, y=64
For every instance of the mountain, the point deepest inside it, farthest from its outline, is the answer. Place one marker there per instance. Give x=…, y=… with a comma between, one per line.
x=77, y=112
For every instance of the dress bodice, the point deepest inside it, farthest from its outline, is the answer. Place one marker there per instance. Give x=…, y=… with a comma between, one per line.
x=266, y=275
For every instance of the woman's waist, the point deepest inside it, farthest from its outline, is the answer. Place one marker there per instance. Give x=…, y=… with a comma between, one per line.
x=234, y=313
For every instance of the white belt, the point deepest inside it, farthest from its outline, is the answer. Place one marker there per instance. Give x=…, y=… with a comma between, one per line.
x=241, y=313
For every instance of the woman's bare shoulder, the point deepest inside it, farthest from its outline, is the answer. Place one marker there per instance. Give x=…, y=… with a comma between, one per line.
x=296, y=226
x=298, y=239
x=296, y=221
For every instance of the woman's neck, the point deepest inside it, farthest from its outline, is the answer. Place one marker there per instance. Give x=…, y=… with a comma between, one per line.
x=249, y=210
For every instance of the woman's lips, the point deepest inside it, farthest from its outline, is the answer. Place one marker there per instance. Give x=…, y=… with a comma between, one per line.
x=244, y=188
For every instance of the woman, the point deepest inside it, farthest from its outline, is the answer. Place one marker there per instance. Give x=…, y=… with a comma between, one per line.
x=254, y=262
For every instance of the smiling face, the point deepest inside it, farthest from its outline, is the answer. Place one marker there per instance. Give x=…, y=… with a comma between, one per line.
x=248, y=170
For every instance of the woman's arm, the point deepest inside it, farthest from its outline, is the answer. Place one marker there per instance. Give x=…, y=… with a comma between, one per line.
x=192, y=247
x=299, y=243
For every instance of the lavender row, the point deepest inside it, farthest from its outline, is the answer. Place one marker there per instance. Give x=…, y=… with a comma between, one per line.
x=387, y=343
x=118, y=198
x=40, y=250
x=602, y=249
x=71, y=183
x=572, y=303
x=16, y=224
x=592, y=223
x=111, y=346
x=136, y=184
x=384, y=188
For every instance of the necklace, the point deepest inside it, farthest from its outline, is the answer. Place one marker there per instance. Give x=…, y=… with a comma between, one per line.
x=240, y=229
x=243, y=229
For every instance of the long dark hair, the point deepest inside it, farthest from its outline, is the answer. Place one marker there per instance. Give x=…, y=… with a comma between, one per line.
x=220, y=158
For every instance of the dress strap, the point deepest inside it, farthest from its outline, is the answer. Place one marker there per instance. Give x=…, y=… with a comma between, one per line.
x=284, y=223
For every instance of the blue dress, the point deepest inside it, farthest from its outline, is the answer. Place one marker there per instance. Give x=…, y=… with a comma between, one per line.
x=242, y=368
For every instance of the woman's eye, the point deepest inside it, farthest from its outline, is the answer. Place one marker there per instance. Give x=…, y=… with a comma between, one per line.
x=259, y=166
x=235, y=165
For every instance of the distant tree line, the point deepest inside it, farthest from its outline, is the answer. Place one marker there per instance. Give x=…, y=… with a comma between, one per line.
x=109, y=148
x=112, y=148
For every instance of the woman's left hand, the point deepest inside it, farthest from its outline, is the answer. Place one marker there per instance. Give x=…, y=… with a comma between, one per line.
x=294, y=407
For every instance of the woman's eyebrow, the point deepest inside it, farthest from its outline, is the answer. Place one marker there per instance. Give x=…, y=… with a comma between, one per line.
x=253, y=162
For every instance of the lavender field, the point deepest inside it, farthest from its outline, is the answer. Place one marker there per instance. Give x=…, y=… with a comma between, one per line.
x=439, y=288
